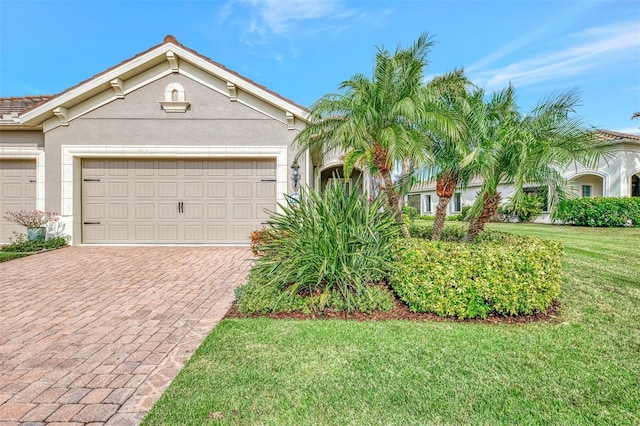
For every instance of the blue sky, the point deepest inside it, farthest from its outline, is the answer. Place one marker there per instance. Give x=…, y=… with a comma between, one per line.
x=303, y=49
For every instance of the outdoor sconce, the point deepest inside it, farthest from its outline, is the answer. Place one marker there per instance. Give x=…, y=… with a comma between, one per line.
x=295, y=176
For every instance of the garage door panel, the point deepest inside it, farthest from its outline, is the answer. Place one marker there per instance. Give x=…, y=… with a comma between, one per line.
x=94, y=211
x=217, y=233
x=118, y=168
x=145, y=233
x=17, y=192
x=12, y=190
x=94, y=233
x=177, y=201
x=216, y=211
x=243, y=189
x=144, y=189
x=242, y=168
x=217, y=189
x=168, y=211
x=119, y=189
x=216, y=168
x=168, y=233
x=266, y=190
x=118, y=233
x=167, y=168
x=194, y=189
x=168, y=190
x=118, y=211
x=145, y=211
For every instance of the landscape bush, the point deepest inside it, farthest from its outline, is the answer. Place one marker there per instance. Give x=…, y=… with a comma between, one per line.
x=498, y=275
x=333, y=245
x=23, y=245
x=449, y=233
x=532, y=206
x=600, y=212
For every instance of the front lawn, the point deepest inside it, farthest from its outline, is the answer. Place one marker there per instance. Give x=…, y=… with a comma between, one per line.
x=583, y=367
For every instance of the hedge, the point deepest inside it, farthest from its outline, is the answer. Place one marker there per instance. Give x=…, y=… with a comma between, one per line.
x=600, y=212
x=501, y=275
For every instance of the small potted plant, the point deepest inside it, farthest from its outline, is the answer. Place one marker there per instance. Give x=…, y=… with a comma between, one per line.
x=34, y=221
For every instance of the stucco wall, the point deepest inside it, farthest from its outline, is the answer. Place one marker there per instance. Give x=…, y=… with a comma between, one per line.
x=22, y=138
x=138, y=119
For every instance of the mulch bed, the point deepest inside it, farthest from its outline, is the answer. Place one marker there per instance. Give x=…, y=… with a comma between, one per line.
x=401, y=312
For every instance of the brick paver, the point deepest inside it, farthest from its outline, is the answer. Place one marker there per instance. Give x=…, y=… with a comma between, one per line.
x=93, y=335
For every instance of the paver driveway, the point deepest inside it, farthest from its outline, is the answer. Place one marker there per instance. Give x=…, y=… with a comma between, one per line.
x=95, y=334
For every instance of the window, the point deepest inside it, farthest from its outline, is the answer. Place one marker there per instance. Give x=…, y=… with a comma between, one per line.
x=457, y=203
x=413, y=200
x=635, y=186
x=586, y=190
x=426, y=203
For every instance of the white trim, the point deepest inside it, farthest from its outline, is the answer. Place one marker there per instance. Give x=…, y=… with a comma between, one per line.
x=605, y=179
x=8, y=153
x=72, y=152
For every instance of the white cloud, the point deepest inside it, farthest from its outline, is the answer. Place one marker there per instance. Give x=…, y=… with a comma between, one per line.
x=629, y=130
x=278, y=16
x=583, y=53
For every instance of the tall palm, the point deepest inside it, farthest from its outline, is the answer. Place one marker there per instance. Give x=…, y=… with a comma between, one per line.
x=448, y=148
x=531, y=149
x=373, y=120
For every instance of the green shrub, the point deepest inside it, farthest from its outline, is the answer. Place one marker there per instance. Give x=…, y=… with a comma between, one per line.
x=449, y=233
x=410, y=213
x=600, y=212
x=427, y=217
x=22, y=245
x=501, y=274
x=330, y=243
x=531, y=206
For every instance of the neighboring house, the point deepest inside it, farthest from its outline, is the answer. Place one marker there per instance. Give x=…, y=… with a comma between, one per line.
x=617, y=176
x=165, y=147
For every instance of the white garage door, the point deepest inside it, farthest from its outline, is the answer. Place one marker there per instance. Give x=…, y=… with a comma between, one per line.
x=17, y=192
x=176, y=201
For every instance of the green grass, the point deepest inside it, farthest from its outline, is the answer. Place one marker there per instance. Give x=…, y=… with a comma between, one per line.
x=580, y=368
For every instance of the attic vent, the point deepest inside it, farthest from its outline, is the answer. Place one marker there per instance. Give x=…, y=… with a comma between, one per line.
x=175, y=99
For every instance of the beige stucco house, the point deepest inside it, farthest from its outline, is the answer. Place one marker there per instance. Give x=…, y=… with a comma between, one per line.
x=165, y=147
x=616, y=176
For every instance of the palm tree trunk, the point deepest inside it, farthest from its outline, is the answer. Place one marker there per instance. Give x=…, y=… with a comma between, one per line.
x=445, y=187
x=441, y=214
x=392, y=202
x=489, y=208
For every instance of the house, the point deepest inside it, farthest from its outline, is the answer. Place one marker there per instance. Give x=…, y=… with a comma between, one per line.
x=166, y=147
x=616, y=176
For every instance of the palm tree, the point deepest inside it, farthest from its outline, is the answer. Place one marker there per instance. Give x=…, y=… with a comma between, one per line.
x=531, y=149
x=374, y=120
x=448, y=148
x=635, y=115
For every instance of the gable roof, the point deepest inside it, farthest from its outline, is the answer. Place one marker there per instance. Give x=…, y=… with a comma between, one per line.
x=171, y=52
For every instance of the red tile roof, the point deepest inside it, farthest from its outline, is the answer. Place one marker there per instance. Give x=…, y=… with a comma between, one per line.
x=21, y=104
x=618, y=137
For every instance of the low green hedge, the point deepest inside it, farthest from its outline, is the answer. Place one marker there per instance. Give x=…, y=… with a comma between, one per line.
x=502, y=274
x=600, y=212
x=27, y=246
x=449, y=233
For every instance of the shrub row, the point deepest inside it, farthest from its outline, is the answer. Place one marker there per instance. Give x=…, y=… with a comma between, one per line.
x=502, y=274
x=600, y=212
x=23, y=245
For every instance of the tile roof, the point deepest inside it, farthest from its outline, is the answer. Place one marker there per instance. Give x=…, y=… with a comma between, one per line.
x=22, y=103
x=618, y=137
